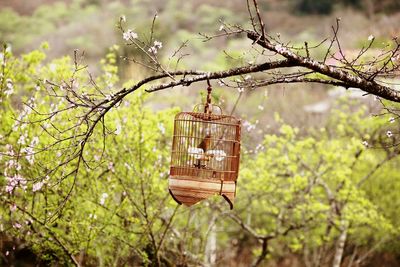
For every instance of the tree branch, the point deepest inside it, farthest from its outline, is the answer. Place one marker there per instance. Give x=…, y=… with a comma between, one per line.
x=348, y=78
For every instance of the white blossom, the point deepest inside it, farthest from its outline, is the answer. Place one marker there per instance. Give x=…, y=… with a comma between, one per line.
x=158, y=44
x=240, y=89
x=111, y=166
x=162, y=128
x=249, y=126
x=365, y=143
x=109, y=97
x=129, y=34
x=389, y=134
x=29, y=154
x=22, y=139
x=259, y=147
x=392, y=119
x=118, y=130
x=122, y=18
x=153, y=50
x=260, y=107
x=37, y=186
x=10, y=87
x=221, y=27
x=279, y=48
x=18, y=166
x=371, y=37
x=103, y=198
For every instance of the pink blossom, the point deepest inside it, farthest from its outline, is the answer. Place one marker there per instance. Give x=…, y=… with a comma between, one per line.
x=14, y=182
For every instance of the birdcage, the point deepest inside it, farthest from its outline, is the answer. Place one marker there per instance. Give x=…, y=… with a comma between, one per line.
x=205, y=154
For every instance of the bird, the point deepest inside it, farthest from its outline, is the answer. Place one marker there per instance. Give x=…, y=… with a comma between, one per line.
x=204, y=145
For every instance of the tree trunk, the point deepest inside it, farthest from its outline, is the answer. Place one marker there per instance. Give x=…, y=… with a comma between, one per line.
x=340, y=244
x=210, y=255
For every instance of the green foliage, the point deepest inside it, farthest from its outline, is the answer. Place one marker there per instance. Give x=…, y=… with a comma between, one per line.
x=310, y=183
x=110, y=192
x=297, y=189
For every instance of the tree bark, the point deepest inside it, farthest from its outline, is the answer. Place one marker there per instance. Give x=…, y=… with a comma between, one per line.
x=341, y=242
x=210, y=255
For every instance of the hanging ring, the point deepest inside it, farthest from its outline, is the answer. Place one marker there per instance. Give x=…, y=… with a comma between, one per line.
x=215, y=109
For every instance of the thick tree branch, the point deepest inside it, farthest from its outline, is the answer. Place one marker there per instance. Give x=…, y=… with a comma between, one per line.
x=299, y=80
x=202, y=76
x=348, y=78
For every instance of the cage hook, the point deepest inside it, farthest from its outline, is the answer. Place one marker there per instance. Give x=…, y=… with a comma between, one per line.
x=208, y=103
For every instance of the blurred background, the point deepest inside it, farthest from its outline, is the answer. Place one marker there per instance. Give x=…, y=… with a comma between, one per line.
x=90, y=26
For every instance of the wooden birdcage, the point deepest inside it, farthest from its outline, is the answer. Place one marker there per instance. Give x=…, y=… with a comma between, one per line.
x=205, y=155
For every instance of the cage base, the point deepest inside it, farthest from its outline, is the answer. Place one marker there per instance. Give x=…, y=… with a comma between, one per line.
x=187, y=191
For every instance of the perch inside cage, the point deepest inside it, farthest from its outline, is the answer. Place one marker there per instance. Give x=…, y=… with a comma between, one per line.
x=205, y=154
